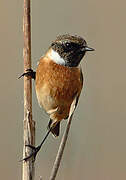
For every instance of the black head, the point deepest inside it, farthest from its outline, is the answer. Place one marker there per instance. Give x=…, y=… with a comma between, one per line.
x=70, y=48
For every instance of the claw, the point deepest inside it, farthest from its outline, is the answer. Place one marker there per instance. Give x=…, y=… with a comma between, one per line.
x=29, y=72
x=35, y=150
x=33, y=154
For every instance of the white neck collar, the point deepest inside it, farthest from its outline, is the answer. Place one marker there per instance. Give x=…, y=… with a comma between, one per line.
x=53, y=55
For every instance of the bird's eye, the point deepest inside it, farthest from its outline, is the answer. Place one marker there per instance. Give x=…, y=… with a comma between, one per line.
x=67, y=46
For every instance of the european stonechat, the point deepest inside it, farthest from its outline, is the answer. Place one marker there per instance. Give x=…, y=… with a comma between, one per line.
x=59, y=79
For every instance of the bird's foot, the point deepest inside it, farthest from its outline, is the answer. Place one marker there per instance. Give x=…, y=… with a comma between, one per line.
x=35, y=150
x=29, y=72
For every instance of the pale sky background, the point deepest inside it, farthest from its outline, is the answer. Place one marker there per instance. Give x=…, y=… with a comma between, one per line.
x=96, y=148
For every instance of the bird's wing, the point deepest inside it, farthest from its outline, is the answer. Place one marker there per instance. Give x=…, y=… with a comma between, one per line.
x=76, y=98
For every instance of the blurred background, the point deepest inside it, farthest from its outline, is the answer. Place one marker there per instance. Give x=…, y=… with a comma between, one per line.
x=96, y=148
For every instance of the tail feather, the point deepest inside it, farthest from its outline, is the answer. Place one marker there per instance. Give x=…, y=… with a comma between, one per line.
x=54, y=130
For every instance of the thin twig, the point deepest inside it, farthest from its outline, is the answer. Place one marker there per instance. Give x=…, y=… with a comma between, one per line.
x=62, y=144
x=29, y=124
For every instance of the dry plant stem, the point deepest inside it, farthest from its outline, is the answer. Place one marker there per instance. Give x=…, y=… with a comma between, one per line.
x=29, y=124
x=62, y=144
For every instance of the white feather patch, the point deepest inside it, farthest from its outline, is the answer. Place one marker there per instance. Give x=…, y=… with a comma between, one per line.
x=56, y=57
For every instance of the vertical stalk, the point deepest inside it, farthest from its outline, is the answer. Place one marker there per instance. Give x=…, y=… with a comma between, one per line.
x=29, y=124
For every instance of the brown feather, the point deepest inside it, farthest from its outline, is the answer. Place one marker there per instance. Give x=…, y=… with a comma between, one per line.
x=56, y=87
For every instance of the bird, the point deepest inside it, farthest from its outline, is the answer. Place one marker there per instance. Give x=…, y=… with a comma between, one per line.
x=58, y=80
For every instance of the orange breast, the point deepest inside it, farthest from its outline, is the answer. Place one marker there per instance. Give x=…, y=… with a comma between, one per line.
x=56, y=87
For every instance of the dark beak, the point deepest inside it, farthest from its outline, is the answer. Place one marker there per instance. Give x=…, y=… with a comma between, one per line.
x=89, y=49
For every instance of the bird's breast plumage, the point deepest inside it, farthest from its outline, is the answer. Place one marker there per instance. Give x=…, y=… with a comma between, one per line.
x=56, y=87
